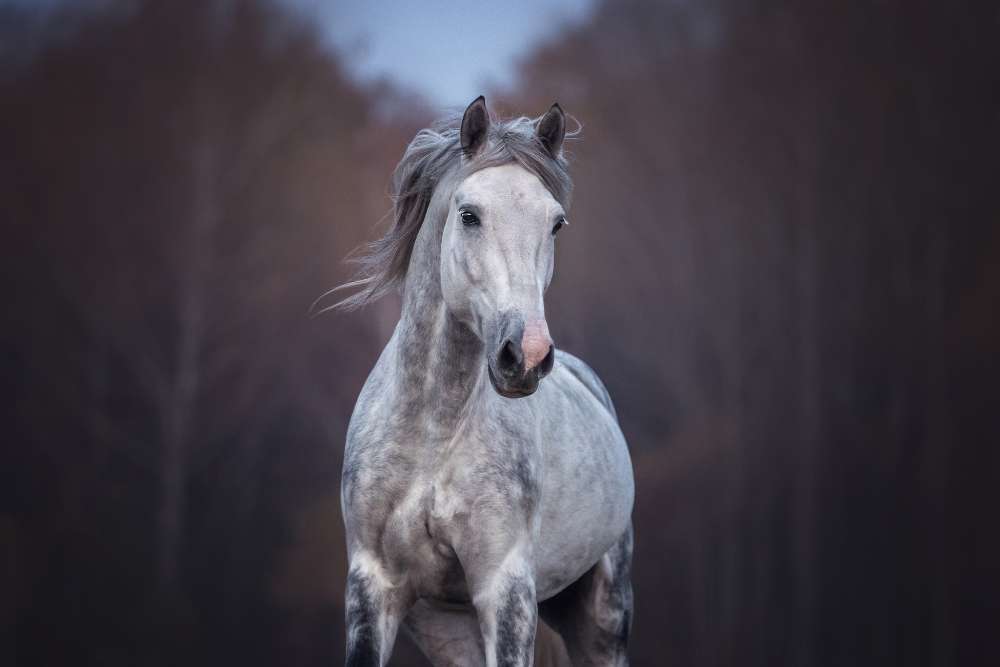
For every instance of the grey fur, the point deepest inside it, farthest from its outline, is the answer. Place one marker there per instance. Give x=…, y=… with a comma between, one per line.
x=464, y=509
x=432, y=157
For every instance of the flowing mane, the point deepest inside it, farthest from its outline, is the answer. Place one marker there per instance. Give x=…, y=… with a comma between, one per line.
x=432, y=155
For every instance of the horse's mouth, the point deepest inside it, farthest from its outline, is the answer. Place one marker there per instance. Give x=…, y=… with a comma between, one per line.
x=514, y=392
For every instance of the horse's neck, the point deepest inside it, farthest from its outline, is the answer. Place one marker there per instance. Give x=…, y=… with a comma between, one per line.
x=440, y=359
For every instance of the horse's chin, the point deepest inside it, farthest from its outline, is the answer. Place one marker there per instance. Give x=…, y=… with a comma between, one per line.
x=511, y=392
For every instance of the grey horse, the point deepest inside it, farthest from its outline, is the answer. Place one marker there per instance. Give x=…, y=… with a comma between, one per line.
x=477, y=497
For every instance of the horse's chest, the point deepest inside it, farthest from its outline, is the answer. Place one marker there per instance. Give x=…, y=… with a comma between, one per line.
x=416, y=539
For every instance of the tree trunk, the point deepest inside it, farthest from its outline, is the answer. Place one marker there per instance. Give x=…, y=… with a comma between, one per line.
x=191, y=267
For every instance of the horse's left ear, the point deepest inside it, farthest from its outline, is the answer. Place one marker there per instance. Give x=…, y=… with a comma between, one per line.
x=475, y=126
x=552, y=130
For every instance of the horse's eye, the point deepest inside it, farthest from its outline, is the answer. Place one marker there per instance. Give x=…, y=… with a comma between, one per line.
x=560, y=223
x=468, y=218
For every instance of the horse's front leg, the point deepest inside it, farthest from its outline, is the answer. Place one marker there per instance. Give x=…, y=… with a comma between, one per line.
x=374, y=607
x=508, y=613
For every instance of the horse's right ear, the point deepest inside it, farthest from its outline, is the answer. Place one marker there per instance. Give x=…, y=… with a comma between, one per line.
x=552, y=130
x=475, y=126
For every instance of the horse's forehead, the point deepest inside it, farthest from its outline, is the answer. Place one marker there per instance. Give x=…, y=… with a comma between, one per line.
x=510, y=182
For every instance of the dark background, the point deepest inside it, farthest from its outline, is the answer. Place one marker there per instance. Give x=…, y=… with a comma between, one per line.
x=784, y=262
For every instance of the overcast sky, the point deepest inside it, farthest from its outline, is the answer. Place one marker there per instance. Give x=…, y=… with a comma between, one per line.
x=448, y=50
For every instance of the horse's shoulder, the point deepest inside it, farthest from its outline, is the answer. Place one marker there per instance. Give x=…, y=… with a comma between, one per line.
x=587, y=377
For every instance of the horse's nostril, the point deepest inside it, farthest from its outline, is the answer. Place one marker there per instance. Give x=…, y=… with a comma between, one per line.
x=545, y=367
x=510, y=355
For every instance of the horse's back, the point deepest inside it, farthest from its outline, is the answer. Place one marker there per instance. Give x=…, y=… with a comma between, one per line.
x=588, y=378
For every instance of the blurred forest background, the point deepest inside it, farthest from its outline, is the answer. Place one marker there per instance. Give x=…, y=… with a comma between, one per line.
x=784, y=262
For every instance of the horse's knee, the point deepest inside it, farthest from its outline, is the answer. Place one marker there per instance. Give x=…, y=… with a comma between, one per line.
x=373, y=608
x=508, y=617
x=361, y=606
